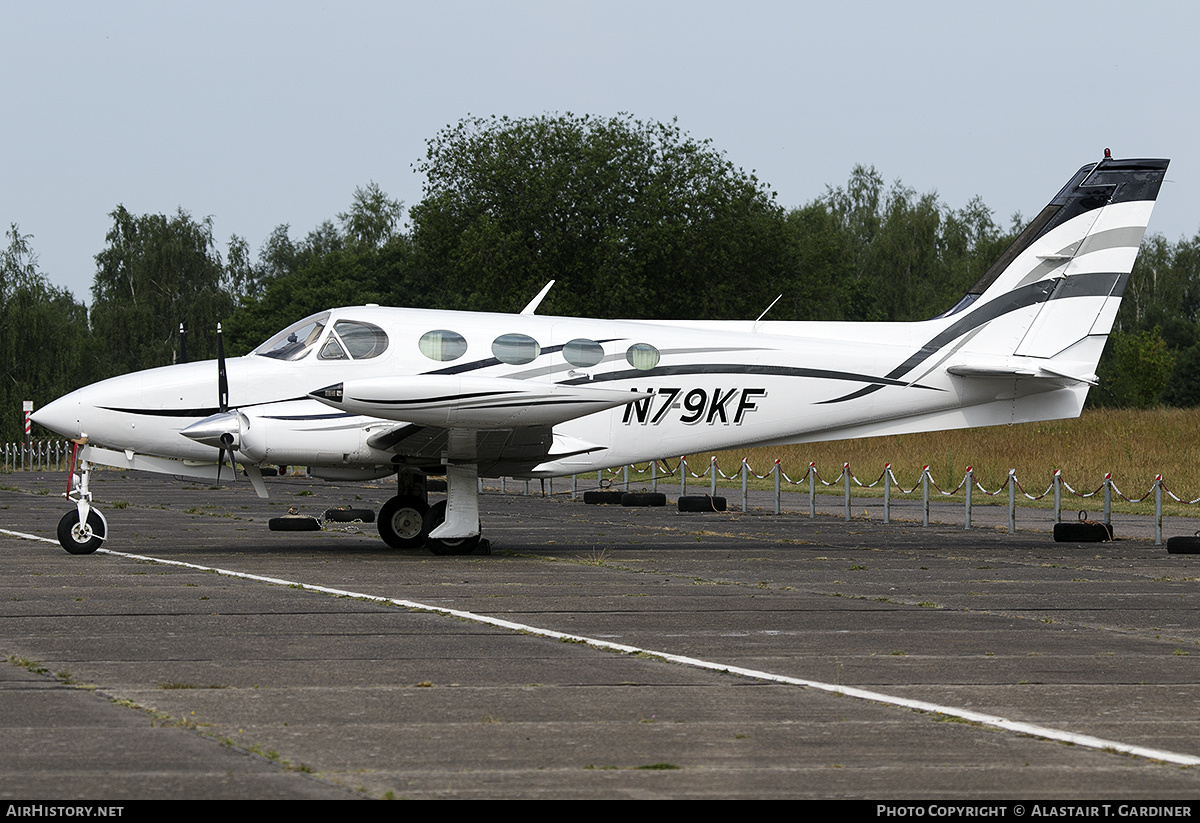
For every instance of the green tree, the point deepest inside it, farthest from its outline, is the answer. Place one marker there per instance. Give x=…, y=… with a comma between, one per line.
x=1135, y=371
x=906, y=255
x=372, y=219
x=632, y=218
x=339, y=278
x=366, y=260
x=155, y=273
x=43, y=336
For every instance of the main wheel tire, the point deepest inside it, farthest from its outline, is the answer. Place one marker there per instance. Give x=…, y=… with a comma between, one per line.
x=349, y=515
x=1080, y=532
x=1183, y=545
x=630, y=499
x=603, y=497
x=701, y=503
x=402, y=522
x=294, y=523
x=434, y=518
x=76, y=540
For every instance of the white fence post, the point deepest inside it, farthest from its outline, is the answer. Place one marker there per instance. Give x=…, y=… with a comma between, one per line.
x=778, y=471
x=846, y=485
x=1158, y=485
x=887, y=492
x=925, y=495
x=1012, y=501
x=745, y=470
x=1058, y=495
x=968, y=482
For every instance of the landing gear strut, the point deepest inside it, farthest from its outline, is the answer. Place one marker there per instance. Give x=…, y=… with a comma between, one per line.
x=407, y=520
x=445, y=546
x=83, y=530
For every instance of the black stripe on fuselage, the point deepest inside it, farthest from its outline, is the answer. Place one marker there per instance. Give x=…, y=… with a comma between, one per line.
x=442, y=399
x=1078, y=285
x=166, y=412
x=733, y=368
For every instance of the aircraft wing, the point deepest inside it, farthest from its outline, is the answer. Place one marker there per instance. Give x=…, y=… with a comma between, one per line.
x=191, y=470
x=500, y=424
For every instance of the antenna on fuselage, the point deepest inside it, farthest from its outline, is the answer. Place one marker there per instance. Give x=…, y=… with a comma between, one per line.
x=182, y=344
x=537, y=301
x=767, y=309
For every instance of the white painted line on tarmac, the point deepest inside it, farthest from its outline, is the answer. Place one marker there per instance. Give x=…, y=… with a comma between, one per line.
x=28, y=536
x=991, y=720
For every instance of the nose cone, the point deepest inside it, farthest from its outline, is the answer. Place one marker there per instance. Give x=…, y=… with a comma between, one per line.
x=61, y=416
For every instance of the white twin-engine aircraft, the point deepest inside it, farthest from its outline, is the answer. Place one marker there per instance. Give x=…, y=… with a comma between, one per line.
x=366, y=392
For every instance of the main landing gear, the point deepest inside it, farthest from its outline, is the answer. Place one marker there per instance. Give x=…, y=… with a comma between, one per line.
x=449, y=527
x=83, y=530
x=406, y=521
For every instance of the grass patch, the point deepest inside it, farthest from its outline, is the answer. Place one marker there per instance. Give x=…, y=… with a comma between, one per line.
x=1134, y=445
x=27, y=664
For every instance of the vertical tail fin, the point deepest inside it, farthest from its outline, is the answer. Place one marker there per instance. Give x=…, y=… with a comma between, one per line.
x=1053, y=295
x=1024, y=343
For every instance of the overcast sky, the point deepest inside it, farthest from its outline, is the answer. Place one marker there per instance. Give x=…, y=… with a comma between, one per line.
x=261, y=113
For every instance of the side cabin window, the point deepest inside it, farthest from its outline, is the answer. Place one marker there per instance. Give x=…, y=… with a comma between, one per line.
x=442, y=345
x=296, y=341
x=642, y=356
x=583, y=353
x=516, y=349
x=354, y=340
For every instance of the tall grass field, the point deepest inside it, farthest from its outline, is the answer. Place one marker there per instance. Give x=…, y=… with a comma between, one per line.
x=1134, y=445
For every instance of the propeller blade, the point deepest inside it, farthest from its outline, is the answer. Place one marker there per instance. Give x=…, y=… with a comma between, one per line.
x=223, y=404
x=222, y=379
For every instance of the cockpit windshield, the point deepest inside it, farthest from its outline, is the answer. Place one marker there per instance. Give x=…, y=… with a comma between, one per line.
x=296, y=340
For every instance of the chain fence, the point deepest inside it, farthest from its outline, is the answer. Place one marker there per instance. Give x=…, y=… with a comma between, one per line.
x=928, y=487
x=54, y=455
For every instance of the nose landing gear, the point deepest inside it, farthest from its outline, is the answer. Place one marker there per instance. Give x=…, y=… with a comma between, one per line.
x=81, y=531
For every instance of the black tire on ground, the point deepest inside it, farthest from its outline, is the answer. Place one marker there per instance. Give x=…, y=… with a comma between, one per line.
x=1080, y=532
x=701, y=503
x=74, y=542
x=603, y=497
x=402, y=522
x=1183, y=545
x=434, y=518
x=349, y=515
x=643, y=499
x=294, y=523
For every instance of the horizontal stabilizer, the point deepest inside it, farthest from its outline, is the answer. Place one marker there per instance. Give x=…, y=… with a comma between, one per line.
x=1036, y=372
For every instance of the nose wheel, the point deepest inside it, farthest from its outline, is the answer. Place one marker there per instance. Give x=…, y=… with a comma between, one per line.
x=81, y=537
x=83, y=530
